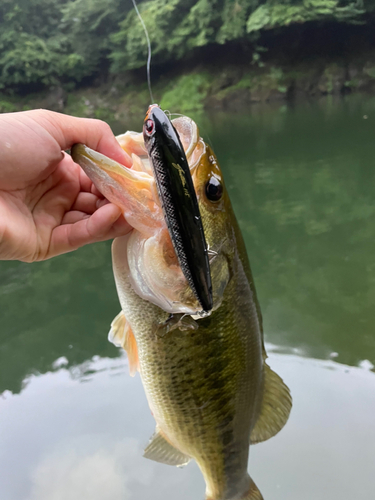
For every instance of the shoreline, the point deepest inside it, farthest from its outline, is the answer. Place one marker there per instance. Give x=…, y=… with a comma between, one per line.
x=206, y=86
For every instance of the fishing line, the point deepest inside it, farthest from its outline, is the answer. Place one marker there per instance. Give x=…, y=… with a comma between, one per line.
x=173, y=114
x=149, y=66
x=149, y=51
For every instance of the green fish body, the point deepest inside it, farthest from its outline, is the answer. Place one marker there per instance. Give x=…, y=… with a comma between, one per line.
x=206, y=380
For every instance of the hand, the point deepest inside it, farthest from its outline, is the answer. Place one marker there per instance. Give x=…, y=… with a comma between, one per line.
x=48, y=206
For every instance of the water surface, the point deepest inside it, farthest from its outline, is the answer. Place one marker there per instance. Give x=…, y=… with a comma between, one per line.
x=73, y=424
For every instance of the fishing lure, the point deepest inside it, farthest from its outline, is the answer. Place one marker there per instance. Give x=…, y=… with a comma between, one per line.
x=179, y=203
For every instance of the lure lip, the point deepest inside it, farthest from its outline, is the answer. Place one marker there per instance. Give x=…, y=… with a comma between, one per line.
x=179, y=203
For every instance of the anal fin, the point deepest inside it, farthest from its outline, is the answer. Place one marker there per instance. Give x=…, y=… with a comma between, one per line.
x=121, y=335
x=161, y=451
x=275, y=409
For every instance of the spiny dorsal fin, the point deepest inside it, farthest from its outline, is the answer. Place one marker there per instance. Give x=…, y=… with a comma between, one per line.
x=276, y=406
x=122, y=335
x=161, y=451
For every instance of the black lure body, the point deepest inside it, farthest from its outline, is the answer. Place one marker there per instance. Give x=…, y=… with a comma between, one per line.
x=179, y=202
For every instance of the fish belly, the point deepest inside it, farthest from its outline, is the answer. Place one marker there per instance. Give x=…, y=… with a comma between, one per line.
x=204, y=387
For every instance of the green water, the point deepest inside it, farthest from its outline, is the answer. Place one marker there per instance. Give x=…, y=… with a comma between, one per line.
x=73, y=423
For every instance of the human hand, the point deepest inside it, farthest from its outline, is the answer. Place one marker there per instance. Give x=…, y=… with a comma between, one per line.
x=48, y=206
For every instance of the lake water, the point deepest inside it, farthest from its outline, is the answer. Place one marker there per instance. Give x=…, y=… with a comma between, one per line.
x=73, y=423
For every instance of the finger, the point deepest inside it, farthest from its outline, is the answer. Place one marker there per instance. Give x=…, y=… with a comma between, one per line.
x=119, y=228
x=96, y=191
x=74, y=216
x=101, y=203
x=100, y=226
x=96, y=134
x=86, y=202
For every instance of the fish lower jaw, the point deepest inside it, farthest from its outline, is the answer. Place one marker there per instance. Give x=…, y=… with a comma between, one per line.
x=144, y=289
x=156, y=278
x=174, y=308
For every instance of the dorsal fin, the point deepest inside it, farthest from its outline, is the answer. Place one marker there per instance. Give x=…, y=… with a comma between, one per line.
x=161, y=451
x=275, y=409
x=122, y=335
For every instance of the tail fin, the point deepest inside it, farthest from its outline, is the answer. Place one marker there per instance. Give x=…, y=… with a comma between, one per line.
x=251, y=493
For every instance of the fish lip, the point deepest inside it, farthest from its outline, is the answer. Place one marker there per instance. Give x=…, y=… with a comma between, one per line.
x=131, y=189
x=81, y=153
x=180, y=206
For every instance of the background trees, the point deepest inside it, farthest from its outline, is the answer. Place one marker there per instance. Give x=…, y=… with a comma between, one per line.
x=64, y=42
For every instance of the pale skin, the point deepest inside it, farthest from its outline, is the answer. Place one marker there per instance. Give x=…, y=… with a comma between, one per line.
x=48, y=206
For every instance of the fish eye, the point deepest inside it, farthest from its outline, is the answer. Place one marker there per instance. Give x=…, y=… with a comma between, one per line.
x=149, y=126
x=214, y=189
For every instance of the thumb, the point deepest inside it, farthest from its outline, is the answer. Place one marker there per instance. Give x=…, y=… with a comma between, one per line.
x=68, y=130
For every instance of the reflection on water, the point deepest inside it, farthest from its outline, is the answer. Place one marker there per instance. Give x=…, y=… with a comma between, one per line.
x=302, y=182
x=61, y=307
x=66, y=439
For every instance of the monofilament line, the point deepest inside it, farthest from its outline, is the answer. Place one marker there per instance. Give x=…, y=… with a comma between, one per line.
x=149, y=52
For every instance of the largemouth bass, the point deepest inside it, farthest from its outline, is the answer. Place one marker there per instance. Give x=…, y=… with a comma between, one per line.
x=206, y=379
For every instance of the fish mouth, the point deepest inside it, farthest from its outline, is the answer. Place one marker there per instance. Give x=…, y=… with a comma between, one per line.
x=132, y=189
x=136, y=192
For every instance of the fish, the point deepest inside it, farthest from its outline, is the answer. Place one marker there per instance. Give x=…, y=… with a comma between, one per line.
x=205, y=376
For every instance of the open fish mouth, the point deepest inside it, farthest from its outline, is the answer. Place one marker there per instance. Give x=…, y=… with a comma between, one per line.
x=158, y=199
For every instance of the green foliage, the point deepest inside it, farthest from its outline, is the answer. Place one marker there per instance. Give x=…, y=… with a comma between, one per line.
x=104, y=114
x=88, y=25
x=275, y=14
x=49, y=42
x=370, y=72
x=160, y=18
x=234, y=16
x=187, y=94
x=259, y=83
x=46, y=43
x=29, y=60
x=176, y=27
x=7, y=107
x=29, y=42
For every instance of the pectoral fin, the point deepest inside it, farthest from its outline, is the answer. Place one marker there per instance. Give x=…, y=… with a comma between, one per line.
x=161, y=451
x=276, y=406
x=122, y=335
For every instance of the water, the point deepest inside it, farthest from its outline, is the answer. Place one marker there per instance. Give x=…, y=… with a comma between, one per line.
x=73, y=424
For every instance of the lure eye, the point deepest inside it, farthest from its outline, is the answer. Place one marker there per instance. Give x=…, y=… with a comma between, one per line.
x=149, y=126
x=214, y=189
